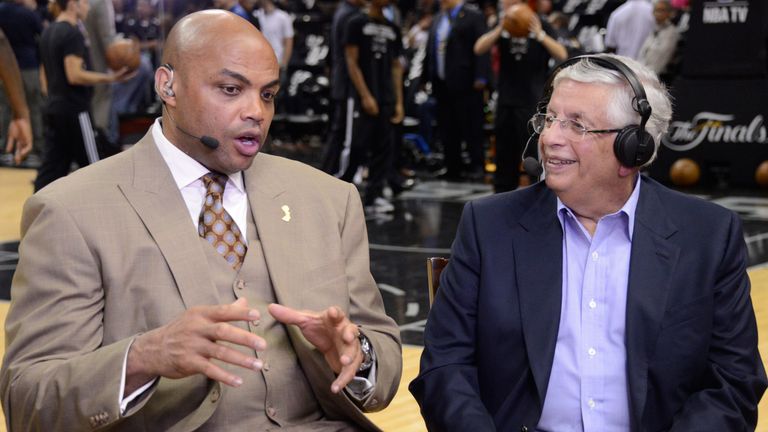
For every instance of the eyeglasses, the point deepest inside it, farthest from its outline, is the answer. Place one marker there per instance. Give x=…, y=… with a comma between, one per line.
x=572, y=129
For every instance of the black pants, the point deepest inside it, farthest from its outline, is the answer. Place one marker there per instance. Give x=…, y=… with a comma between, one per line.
x=68, y=138
x=460, y=118
x=339, y=136
x=372, y=145
x=511, y=135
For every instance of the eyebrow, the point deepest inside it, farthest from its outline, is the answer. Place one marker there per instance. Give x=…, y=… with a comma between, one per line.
x=240, y=77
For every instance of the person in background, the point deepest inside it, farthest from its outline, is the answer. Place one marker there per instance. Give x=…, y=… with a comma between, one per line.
x=339, y=141
x=19, y=141
x=134, y=95
x=373, y=49
x=232, y=6
x=66, y=60
x=597, y=299
x=524, y=66
x=22, y=28
x=202, y=284
x=659, y=48
x=100, y=33
x=628, y=27
x=458, y=78
x=277, y=27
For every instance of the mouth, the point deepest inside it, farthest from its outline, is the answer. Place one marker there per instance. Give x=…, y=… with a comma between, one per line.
x=557, y=162
x=248, y=143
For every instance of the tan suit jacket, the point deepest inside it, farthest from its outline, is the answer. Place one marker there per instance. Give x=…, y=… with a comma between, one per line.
x=110, y=251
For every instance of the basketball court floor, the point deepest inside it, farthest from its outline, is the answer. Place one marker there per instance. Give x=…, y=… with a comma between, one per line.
x=422, y=225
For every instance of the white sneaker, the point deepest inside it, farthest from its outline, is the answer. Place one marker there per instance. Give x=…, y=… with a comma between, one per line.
x=380, y=205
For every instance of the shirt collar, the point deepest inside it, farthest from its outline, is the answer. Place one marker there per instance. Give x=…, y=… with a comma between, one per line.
x=629, y=208
x=184, y=169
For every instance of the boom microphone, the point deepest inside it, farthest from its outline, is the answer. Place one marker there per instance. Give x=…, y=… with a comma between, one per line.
x=208, y=141
x=531, y=165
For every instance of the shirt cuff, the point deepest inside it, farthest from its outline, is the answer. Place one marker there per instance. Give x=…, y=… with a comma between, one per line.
x=125, y=401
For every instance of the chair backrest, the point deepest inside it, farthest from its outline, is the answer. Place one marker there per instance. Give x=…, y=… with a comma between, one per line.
x=435, y=266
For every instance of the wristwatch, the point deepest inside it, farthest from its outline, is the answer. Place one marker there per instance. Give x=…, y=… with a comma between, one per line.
x=365, y=347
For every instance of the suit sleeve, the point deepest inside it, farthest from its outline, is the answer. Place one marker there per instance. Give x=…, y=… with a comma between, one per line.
x=56, y=373
x=482, y=61
x=736, y=378
x=447, y=385
x=366, y=307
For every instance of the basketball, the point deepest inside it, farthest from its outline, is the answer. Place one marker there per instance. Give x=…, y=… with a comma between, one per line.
x=761, y=174
x=123, y=53
x=685, y=172
x=517, y=19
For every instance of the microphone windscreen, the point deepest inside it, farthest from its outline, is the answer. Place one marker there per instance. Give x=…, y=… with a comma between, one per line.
x=532, y=167
x=210, y=142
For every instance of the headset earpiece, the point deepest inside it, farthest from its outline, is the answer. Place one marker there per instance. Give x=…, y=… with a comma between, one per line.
x=167, y=88
x=633, y=146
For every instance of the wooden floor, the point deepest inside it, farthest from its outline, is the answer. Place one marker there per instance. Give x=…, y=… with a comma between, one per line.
x=402, y=415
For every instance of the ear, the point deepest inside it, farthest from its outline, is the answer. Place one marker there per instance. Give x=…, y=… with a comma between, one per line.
x=164, y=85
x=627, y=171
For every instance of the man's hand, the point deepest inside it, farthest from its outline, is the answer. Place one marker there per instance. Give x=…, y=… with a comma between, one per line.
x=332, y=333
x=370, y=106
x=187, y=346
x=123, y=75
x=398, y=115
x=19, y=139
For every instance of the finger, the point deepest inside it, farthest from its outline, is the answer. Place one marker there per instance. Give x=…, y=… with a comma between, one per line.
x=214, y=372
x=288, y=315
x=232, y=356
x=9, y=144
x=350, y=333
x=226, y=332
x=345, y=376
x=237, y=311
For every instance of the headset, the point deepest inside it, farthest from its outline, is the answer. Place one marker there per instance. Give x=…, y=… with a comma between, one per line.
x=633, y=145
x=167, y=88
x=208, y=141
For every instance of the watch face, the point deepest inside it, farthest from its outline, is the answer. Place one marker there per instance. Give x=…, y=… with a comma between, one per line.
x=365, y=347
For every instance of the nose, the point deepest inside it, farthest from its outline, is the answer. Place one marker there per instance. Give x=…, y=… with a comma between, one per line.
x=552, y=134
x=254, y=109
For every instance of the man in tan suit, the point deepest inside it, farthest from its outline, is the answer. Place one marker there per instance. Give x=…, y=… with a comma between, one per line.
x=124, y=318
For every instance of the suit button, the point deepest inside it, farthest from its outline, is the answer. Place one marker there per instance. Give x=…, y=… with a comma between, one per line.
x=524, y=429
x=265, y=368
x=239, y=284
x=215, y=395
x=271, y=411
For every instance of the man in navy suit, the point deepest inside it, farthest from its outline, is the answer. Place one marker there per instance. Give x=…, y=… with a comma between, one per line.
x=596, y=300
x=458, y=79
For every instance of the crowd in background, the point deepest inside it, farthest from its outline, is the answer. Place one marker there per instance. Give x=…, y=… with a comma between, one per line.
x=431, y=79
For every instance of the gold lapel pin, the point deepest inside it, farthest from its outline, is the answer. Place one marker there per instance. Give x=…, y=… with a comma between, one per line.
x=287, y=213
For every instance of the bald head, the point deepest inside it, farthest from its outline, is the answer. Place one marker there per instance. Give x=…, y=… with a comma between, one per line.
x=198, y=34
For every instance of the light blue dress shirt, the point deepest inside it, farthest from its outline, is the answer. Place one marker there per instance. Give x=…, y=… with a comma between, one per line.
x=588, y=389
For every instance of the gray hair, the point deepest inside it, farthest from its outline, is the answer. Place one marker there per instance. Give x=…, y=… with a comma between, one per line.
x=620, y=109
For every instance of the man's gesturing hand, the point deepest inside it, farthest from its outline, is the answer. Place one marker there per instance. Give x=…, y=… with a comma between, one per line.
x=333, y=335
x=187, y=346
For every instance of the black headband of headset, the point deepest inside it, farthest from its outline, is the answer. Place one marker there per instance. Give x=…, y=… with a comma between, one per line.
x=640, y=103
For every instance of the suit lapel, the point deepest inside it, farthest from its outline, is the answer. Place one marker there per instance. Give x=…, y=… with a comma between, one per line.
x=158, y=202
x=652, y=262
x=278, y=221
x=539, y=282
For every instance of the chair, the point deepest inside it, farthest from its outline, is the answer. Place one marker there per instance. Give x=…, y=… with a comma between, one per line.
x=435, y=266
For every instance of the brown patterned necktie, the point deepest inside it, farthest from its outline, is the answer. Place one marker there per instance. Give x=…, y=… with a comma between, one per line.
x=217, y=226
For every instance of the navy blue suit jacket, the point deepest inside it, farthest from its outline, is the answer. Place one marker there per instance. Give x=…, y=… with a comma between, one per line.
x=691, y=336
